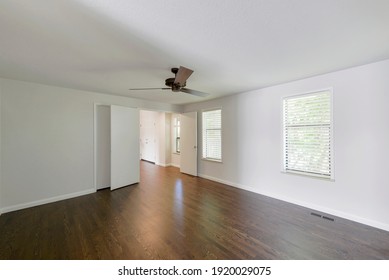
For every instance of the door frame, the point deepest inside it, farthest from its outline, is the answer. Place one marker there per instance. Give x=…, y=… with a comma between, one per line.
x=95, y=105
x=95, y=143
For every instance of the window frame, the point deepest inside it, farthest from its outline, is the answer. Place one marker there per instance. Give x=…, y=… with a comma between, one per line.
x=177, y=139
x=221, y=135
x=331, y=142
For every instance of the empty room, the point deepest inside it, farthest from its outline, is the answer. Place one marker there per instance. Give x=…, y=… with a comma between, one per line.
x=194, y=130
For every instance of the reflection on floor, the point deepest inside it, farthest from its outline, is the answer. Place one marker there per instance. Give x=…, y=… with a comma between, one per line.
x=170, y=215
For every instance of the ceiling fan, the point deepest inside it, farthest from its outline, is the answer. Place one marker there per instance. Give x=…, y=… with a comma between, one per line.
x=178, y=83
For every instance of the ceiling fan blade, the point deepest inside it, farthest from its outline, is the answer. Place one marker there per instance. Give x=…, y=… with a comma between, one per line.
x=182, y=75
x=146, y=88
x=194, y=92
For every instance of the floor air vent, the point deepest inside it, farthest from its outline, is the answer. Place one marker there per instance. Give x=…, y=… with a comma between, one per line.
x=324, y=217
x=316, y=215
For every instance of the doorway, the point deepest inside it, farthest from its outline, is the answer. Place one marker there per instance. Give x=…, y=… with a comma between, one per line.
x=148, y=135
x=116, y=142
x=124, y=135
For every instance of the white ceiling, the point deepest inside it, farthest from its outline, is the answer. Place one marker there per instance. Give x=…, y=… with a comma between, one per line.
x=233, y=46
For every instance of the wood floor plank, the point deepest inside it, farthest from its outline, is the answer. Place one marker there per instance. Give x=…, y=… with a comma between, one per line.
x=170, y=215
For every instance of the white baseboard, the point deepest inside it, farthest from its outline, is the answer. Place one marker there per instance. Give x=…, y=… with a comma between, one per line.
x=167, y=164
x=45, y=201
x=319, y=208
x=333, y=212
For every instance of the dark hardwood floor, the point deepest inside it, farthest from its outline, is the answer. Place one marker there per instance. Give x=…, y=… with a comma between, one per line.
x=170, y=215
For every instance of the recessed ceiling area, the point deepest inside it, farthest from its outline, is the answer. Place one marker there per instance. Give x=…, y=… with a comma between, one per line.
x=232, y=46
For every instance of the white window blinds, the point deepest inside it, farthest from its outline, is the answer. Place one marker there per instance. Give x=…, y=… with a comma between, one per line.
x=308, y=134
x=212, y=134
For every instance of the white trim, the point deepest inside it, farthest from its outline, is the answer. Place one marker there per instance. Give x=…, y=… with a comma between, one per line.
x=212, y=109
x=212, y=160
x=306, y=92
x=167, y=164
x=293, y=173
x=282, y=142
x=0, y=150
x=95, y=145
x=221, y=134
x=316, y=207
x=173, y=133
x=333, y=212
x=95, y=140
x=46, y=200
x=231, y=184
x=332, y=143
x=162, y=164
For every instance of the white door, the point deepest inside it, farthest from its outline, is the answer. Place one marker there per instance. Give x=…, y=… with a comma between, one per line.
x=124, y=146
x=103, y=147
x=188, y=143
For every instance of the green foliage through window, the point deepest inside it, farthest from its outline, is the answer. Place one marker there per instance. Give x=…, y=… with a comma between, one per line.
x=308, y=134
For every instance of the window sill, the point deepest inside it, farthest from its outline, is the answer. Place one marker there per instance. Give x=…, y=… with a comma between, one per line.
x=212, y=160
x=308, y=175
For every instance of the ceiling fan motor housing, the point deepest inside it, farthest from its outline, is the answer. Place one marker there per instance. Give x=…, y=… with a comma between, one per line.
x=175, y=87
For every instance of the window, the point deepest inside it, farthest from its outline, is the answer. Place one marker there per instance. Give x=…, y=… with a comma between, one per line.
x=212, y=134
x=176, y=127
x=307, y=123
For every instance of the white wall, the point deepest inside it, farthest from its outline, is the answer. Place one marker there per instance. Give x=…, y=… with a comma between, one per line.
x=47, y=141
x=176, y=160
x=252, y=145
